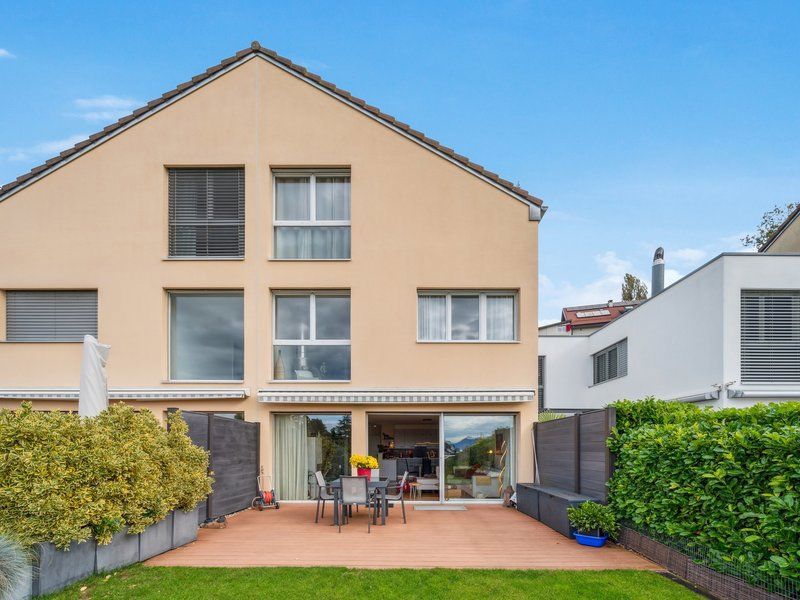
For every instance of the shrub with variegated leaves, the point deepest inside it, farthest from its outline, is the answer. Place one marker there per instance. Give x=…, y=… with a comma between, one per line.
x=65, y=478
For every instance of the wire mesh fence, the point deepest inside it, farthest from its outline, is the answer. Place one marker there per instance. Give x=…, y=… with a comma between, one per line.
x=708, y=568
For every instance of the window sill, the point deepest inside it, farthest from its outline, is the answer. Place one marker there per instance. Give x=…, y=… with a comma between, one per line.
x=309, y=381
x=202, y=258
x=309, y=259
x=491, y=342
x=41, y=341
x=184, y=381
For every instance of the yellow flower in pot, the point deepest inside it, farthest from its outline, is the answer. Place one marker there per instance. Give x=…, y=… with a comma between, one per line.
x=363, y=464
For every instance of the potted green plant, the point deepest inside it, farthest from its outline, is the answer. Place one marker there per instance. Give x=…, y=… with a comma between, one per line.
x=363, y=464
x=593, y=522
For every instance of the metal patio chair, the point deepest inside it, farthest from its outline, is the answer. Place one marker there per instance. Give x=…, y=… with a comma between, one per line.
x=398, y=495
x=323, y=494
x=355, y=492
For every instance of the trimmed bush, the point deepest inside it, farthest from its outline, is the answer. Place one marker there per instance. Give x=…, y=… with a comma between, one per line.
x=66, y=478
x=725, y=480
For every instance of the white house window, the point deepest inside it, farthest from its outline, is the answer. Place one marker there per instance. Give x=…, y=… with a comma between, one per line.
x=50, y=316
x=206, y=213
x=770, y=337
x=466, y=316
x=611, y=363
x=312, y=215
x=311, y=336
x=206, y=336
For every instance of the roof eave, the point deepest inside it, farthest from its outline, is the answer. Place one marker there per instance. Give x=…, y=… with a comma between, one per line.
x=535, y=211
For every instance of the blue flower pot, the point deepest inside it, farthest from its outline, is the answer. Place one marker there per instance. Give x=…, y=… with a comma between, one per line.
x=591, y=540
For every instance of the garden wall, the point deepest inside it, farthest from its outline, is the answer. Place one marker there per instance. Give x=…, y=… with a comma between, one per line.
x=55, y=569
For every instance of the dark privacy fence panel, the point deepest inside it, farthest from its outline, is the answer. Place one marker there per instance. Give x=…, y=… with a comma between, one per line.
x=206, y=213
x=234, y=448
x=571, y=453
x=50, y=316
x=557, y=453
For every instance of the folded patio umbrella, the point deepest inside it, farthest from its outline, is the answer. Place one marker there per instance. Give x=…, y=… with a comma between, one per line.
x=93, y=398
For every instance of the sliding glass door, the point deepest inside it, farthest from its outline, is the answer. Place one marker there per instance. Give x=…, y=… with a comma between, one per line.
x=304, y=444
x=478, y=454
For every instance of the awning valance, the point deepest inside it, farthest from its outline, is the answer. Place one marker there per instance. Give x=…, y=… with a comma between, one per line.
x=127, y=393
x=395, y=396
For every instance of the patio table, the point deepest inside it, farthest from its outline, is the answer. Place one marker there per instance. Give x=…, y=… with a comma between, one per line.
x=375, y=485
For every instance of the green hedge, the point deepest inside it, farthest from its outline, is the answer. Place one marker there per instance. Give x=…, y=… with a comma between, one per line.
x=726, y=480
x=65, y=478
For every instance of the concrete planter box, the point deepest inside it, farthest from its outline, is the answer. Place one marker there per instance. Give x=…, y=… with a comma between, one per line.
x=121, y=552
x=58, y=568
x=156, y=539
x=184, y=527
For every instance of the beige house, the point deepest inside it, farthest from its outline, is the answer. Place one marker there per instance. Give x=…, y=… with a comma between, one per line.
x=786, y=238
x=260, y=244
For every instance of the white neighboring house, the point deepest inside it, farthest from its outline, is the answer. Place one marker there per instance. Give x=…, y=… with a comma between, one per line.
x=726, y=335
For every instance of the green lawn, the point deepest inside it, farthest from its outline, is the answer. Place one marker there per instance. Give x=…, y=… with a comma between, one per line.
x=352, y=584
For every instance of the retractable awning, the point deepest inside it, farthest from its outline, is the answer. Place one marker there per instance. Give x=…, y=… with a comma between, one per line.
x=395, y=396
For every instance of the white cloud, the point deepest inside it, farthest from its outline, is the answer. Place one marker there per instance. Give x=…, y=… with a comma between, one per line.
x=554, y=295
x=690, y=256
x=43, y=149
x=6, y=54
x=104, y=108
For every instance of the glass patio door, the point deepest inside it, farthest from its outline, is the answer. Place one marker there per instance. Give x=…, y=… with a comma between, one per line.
x=477, y=456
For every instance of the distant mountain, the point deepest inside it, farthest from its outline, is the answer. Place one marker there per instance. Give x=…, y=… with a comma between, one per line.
x=465, y=443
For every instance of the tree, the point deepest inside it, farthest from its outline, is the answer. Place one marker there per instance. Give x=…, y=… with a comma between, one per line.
x=633, y=288
x=770, y=221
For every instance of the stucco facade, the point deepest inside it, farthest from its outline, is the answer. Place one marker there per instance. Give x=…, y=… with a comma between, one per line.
x=687, y=343
x=419, y=221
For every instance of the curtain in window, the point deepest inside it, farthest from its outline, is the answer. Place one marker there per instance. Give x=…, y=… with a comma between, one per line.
x=312, y=242
x=293, y=202
x=499, y=317
x=432, y=317
x=291, y=457
x=333, y=198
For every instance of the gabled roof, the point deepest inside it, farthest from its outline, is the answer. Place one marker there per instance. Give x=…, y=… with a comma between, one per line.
x=287, y=65
x=781, y=228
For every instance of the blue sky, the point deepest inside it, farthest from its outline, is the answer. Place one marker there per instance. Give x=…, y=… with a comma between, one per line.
x=640, y=124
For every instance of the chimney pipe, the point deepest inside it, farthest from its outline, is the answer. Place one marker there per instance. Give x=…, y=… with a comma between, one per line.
x=658, y=272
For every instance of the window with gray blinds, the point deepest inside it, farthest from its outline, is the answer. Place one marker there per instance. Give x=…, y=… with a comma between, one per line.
x=541, y=383
x=206, y=213
x=611, y=362
x=770, y=336
x=44, y=316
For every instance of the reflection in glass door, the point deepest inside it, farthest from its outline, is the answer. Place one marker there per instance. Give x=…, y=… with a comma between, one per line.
x=478, y=451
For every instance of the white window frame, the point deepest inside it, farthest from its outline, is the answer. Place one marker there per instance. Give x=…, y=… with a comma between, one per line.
x=605, y=351
x=312, y=326
x=312, y=221
x=482, y=295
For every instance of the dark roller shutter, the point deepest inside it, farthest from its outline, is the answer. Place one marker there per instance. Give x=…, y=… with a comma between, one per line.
x=206, y=213
x=62, y=316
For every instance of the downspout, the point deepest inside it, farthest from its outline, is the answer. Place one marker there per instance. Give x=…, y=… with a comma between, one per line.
x=704, y=397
